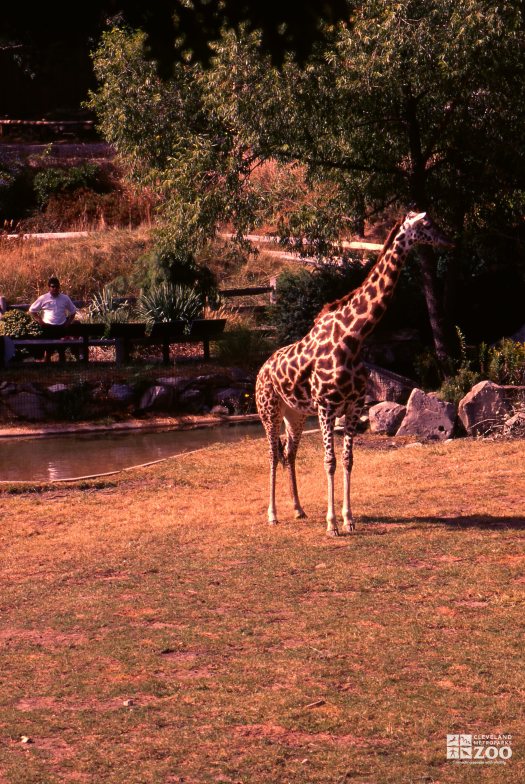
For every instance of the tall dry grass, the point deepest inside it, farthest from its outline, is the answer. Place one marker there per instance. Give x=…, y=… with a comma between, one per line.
x=83, y=264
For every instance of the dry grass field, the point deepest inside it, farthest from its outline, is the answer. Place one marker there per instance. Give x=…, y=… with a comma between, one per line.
x=83, y=264
x=154, y=630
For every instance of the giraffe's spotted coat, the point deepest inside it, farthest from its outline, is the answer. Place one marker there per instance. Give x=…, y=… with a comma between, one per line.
x=322, y=373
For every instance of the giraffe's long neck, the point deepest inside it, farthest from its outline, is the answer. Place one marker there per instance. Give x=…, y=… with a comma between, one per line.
x=367, y=305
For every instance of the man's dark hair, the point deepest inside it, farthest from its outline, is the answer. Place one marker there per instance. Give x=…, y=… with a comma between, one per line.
x=53, y=281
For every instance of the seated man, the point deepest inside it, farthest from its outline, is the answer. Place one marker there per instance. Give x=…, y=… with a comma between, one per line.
x=53, y=311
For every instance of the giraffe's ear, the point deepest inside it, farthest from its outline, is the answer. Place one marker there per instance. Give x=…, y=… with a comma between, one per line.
x=414, y=217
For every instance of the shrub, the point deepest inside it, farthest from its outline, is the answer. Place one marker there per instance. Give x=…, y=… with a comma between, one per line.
x=51, y=181
x=301, y=295
x=176, y=267
x=73, y=402
x=171, y=302
x=19, y=324
x=243, y=345
x=102, y=308
x=504, y=363
x=456, y=387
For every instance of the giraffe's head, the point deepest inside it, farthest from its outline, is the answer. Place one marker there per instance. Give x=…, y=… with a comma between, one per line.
x=418, y=228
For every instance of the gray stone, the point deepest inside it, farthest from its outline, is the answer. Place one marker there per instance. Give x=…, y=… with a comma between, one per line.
x=156, y=397
x=384, y=385
x=385, y=418
x=177, y=383
x=427, y=417
x=6, y=388
x=192, y=400
x=219, y=411
x=57, y=388
x=240, y=375
x=487, y=406
x=31, y=406
x=210, y=380
x=121, y=392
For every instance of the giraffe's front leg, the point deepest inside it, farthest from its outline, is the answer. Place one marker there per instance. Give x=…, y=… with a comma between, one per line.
x=327, y=422
x=348, y=459
x=272, y=511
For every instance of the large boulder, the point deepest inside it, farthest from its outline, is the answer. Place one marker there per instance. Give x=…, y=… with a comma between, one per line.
x=30, y=406
x=384, y=385
x=487, y=406
x=123, y=393
x=385, y=418
x=156, y=397
x=428, y=417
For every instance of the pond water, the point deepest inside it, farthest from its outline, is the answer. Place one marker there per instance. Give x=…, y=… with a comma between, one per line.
x=88, y=454
x=78, y=455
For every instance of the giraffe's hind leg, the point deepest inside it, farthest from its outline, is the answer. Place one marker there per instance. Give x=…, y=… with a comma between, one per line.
x=270, y=408
x=294, y=424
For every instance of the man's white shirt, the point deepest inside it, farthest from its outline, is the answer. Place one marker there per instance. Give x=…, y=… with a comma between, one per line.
x=54, y=310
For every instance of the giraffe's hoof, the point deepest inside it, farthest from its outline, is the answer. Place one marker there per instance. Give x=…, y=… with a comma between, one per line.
x=348, y=528
x=273, y=522
x=332, y=532
x=300, y=514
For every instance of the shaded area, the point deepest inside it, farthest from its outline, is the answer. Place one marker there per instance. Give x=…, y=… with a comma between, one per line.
x=460, y=521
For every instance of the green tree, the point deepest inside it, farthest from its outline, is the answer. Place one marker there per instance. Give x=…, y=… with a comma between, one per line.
x=412, y=104
x=173, y=140
x=416, y=103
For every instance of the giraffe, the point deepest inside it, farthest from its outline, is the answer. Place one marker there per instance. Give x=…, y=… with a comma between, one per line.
x=322, y=373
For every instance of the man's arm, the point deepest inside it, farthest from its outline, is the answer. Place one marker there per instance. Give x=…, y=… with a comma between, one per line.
x=73, y=311
x=35, y=310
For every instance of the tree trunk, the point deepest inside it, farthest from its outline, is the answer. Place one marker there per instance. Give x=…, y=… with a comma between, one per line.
x=433, y=300
x=427, y=259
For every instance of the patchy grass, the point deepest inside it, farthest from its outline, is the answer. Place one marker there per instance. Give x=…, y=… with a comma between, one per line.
x=155, y=629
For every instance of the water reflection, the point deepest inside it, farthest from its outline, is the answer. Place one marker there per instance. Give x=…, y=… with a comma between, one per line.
x=62, y=457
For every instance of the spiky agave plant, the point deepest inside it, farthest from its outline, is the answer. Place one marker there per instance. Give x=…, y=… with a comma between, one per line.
x=102, y=308
x=170, y=302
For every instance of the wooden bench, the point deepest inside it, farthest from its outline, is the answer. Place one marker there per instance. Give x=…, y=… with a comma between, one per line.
x=83, y=335
x=165, y=334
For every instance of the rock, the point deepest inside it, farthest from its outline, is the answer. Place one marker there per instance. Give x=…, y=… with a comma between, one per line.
x=156, y=397
x=6, y=388
x=485, y=408
x=192, y=400
x=240, y=375
x=384, y=385
x=385, y=418
x=428, y=417
x=177, y=383
x=121, y=392
x=57, y=388
x=31, y=406
x=210, y=380
x=515, y=426
x=220, y=411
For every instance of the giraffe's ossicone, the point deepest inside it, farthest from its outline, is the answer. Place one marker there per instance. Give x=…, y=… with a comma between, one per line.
x=322, y=373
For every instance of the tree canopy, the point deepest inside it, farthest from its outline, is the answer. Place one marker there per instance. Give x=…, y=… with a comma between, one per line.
x=410, y=104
